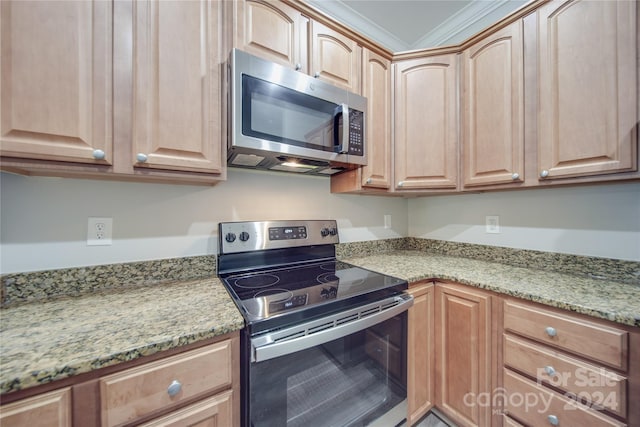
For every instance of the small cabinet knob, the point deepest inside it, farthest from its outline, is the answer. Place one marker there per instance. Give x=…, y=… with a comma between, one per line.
x=515, y=176
x=298, y=66
x=400, y=184
x=553, y=420
x=316, y=74
x=174, y=388
x=551, y=331
x=140, y=157
x=544, y=173
x=369, y=180
x=549, y=370
x=98, y=154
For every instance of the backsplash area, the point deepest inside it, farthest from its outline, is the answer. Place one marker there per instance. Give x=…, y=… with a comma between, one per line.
x=51, y=284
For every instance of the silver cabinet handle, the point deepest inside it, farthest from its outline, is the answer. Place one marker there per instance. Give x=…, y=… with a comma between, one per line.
x=400, y=184
x=316, y=74
x=140, y=157
x=544, y=173
x=549, y=370
x=298, y=66
x=553, y=420
x=174, y=388
x=515, y=176
x=369, y=180
x=550, y=331
x=98, y=154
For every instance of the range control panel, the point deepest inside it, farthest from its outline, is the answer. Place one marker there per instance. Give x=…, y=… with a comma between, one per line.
x=246, y=236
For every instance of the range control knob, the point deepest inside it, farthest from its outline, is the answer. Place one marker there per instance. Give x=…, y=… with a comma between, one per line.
x=230, y=237
x=244, y=236
x=333, y=231
x=324, y=232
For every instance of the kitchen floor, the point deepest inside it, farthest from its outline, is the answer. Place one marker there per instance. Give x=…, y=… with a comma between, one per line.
x=432, y=420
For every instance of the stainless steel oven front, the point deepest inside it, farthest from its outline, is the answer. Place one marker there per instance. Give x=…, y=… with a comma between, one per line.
x=347, y=369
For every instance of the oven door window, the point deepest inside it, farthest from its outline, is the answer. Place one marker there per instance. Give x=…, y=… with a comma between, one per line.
x=282, y=115
x=350, y=381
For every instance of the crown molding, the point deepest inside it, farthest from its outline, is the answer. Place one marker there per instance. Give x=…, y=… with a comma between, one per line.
x=354, y=20
x=451, y=31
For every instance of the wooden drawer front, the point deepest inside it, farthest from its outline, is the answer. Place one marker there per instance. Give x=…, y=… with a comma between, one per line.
x=46, y=410
x=535, y=405
x=600, y=343
x=134, y=393
x=604, y=389
x=214, y=411
x=507, y=421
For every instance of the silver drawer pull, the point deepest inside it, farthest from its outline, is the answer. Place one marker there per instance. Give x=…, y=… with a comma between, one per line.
x=549, y=370
x=551, y=331
x=174, y=388
x=553, y=420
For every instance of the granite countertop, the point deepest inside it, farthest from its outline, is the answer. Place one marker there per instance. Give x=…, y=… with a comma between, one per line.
x=605, y=299
x=47, y=335
x=45, y=341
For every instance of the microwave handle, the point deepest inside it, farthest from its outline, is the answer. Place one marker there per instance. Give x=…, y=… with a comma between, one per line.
x=341, y=141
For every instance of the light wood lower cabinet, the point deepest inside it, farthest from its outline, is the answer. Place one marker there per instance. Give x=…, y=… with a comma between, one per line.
x=421, y=352
x=463, y=353
x=46, y=410
x=198, y=387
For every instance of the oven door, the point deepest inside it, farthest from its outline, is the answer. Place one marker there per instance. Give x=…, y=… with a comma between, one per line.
x=347, y=369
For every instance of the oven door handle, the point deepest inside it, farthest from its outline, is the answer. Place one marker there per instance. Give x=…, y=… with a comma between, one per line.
x=291, y=340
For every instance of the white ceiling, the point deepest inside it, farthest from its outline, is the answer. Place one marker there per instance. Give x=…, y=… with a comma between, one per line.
x=401, y=25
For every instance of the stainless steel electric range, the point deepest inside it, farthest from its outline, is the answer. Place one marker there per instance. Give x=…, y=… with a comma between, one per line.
x=325, y=342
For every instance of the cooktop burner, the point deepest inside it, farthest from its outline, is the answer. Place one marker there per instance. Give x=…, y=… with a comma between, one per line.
x=280, y=273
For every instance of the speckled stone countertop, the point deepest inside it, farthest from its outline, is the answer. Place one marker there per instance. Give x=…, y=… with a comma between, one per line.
x=605, y=299
x=45, y=341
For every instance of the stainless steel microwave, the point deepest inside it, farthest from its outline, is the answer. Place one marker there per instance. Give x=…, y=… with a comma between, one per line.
x=284, y=120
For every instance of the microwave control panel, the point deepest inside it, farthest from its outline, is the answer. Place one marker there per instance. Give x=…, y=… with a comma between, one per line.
x=356, y=132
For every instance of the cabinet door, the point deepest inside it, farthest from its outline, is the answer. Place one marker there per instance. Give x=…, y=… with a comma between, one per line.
x=272, y=30
x=426, y=143
x=177, y=86
x=45, y=410
x=587, y=88
x=493, y=99
x=421, y=367
x=55, y=82
x=376, y=87
x=463, y=362
x=214, y=411
x=335, y=58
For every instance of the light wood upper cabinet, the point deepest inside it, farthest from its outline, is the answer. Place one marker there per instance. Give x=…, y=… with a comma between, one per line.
x=463, y=355
x=493, y=103
x=421, y=352
x=376, y=87
x=335, y=58
x=587, y=88
x=425, y=108
x=45, y=410
x=272, y=30
x=55, y=82
x=177, y=86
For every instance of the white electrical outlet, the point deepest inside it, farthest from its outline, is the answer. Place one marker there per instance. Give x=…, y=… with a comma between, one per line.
x=492, y=224
x=99, y=231
x=387, y=221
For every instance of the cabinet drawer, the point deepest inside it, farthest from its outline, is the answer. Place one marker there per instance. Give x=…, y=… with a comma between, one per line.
x=214, y=411
x=534, y=405
x=591, y=340
x=46, y=410
x=602, y=388
x=137, y=392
